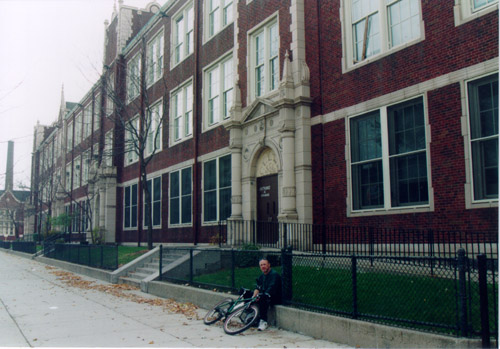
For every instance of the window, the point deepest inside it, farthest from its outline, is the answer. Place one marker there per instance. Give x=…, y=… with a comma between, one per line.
x=389, y=157
x=108, y=149
x=68, y=177
x=264, y=59
x=219, y=80
x=130, y=207
x=110, y=95
x=220, y=14
x=97, y=112
x=131, y=132
x=87, y=120
x=154, y=128
x=376, y=26
x=483, y=115
x=69, y=135
x=78, y=129
x=467, y=10
x=183, y=34
x=182, y=112
x=133, y=77
x=155, y=59
x=85, y=167
x=154, y=187
x=76, y=173
x=217, y=189
x=180, y=197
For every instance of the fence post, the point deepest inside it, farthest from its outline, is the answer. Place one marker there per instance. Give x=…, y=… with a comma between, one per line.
x=191, y=266
x=287, y=266
x=371, y=242
x=161, y=263
x=102, y=256
x=323, y=237
x=430, y=239
x=354, y=287
x=116, y=254
x=483, y=300
x=462, y=292
x=233, y=266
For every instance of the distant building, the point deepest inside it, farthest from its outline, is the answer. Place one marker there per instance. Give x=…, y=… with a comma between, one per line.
x=350, y=112
x=12, y=202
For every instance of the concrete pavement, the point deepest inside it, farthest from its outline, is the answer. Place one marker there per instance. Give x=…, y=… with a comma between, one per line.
x=42, y=306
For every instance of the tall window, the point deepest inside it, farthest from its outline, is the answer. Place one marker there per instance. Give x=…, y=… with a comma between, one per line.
x=378, y=25
x=130, y=207
x=154, y=115
x=480, y=4
x=154, y=187
x=131, y=132
x=220, y=14
x=110, y=94
x=107, y=153
x=394, y=175
x=483, y=114
x=69, y=136
x=182, y=112
x=155, y=59
x=220, y=91
x=69, y=174
x=180, y=197
x=264, y=59
x=97, y=112
x=133, y=77
x=78, y=129
x=77, y=172
x=87, y=120
x=85, y=167
x=183, y=34
x=217, y=189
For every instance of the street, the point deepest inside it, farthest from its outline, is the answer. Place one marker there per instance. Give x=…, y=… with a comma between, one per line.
x=43, y=306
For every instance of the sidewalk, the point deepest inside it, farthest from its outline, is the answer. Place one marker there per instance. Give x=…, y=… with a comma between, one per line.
x=42, y=306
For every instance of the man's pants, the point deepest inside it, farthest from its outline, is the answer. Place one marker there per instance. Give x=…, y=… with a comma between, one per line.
x=264, y=304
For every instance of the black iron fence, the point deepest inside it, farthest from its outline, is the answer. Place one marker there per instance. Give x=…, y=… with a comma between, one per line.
x=346, y=240
x=5, y=244
x=24, y=246
x=96, y=256
x=398, y=291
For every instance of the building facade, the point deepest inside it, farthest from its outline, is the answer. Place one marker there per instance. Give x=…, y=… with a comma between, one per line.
x=349, y=112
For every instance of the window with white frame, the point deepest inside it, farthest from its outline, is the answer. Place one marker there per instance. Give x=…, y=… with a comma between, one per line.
x=87, y=120
x=86, y=157
x=264, y=59
x=154, y=128
x=154, y=187
x=182, y=112
x=389, y=157
x=181, y=191
x=183, y=34
x=220, y=14
x=69, y=174
x=483, y=123
x=131, y=146
x=130, y=206
x=97, y=112
x=78, y=129
x=108, y=149
x=376, y=26
x=219, y=87
x=133, y=77
x=69, y=136
x=109, y=102
x=154, y=68
x=77, y=173
x=217, y=189
x=466, y=10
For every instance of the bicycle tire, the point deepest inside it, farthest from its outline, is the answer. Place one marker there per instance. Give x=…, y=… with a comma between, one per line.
x=241, y=319
x=215, y=313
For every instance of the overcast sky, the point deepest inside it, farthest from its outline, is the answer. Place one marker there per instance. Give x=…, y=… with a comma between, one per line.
x=45, y=44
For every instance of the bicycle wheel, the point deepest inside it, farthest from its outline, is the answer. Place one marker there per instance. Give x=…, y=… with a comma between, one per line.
x=218, y=311
x=241, y=319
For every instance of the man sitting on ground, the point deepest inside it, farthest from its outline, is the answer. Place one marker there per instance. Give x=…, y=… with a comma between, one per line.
x=268, y=282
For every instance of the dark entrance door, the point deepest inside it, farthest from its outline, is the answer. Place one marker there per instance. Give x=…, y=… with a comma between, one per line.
x=267, y=210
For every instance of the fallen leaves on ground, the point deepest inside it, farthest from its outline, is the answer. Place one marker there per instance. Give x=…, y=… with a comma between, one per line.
x=188, y=309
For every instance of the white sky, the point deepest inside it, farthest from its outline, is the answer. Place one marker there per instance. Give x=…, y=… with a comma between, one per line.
x=45, y=44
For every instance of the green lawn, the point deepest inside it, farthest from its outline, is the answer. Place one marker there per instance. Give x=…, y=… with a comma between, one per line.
x=409, y=297
x=129, y=253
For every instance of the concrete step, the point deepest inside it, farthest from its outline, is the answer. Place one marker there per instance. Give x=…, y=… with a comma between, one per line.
x=137, y=276
x=147, y=269
x=130, y=281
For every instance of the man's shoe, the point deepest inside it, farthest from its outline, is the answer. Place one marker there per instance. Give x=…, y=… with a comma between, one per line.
x=262, y=325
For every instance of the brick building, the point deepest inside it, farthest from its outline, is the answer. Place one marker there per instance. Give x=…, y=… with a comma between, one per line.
x=360, y=113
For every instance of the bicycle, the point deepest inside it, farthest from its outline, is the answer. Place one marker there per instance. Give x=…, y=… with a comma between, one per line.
x=239, y=314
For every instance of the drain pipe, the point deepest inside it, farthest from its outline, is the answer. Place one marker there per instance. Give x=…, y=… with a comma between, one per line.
x=196, y=182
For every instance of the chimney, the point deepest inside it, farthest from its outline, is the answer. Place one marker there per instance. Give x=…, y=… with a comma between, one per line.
x=9, y=176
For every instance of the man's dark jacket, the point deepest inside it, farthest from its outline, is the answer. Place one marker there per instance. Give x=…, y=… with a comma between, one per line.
x=270, y=283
